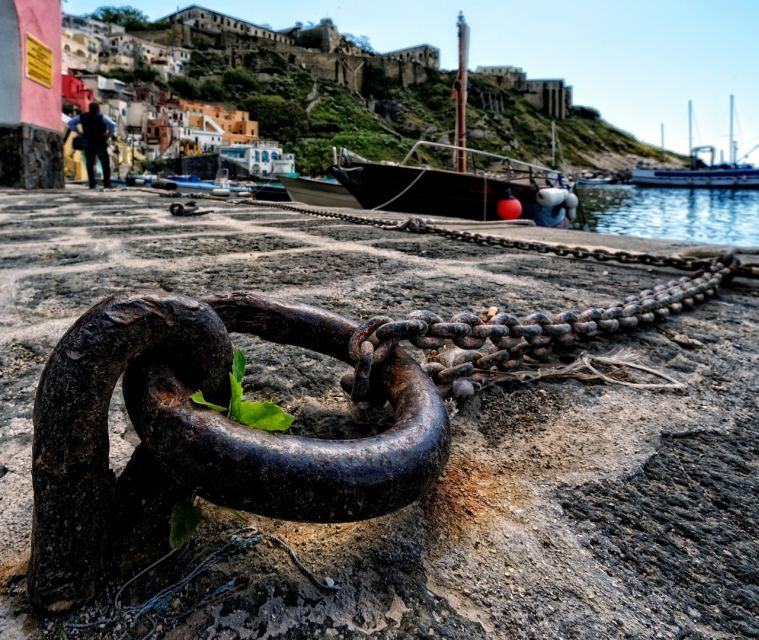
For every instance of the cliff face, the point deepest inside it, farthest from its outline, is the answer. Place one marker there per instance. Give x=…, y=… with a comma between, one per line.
x=381, y=119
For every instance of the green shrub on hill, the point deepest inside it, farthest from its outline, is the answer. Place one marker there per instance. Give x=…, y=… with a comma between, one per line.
x=239, y=82
x=184, y=88
x=278, y=118
x=206, y=63
x=212, y=90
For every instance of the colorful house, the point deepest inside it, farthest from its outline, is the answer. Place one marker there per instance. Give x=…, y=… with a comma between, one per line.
x=81, y=51
x=236, y=126
x=75, y=93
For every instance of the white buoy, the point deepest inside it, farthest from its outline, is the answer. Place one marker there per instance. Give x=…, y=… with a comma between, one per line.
x=550, y=197
x=221, y=192
x=571, y=213
x=571, y=201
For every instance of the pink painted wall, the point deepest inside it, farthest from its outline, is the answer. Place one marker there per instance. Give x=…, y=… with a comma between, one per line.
x=41, y=19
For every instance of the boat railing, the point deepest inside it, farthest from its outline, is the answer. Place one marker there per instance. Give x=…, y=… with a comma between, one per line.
x=450, y=147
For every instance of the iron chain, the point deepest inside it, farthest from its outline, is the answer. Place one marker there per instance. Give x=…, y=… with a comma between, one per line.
x=418, y=225
x=500, y=342
x=468, y=344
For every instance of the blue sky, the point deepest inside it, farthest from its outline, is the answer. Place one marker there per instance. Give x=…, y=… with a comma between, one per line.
x=638, y=62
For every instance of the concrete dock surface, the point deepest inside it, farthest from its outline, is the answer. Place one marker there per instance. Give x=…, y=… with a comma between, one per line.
x=568, y=508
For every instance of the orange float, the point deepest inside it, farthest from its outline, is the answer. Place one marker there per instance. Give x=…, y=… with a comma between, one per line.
x=509, y=209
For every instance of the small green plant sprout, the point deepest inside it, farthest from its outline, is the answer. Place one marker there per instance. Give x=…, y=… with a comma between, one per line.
x=257, y=415
x=186, y=515
x=185, y=518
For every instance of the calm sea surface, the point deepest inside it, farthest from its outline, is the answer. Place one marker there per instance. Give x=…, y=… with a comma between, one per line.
x=710, y=216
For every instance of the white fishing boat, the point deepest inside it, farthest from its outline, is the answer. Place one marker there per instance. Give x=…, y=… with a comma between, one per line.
x=591, y=179
x=729, y=175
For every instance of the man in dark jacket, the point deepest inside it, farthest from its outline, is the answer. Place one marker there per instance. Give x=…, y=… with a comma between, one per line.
x=96, y=129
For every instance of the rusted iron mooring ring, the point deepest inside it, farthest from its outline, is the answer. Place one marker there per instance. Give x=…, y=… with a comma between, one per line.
x=286, y=476
x=172, y=346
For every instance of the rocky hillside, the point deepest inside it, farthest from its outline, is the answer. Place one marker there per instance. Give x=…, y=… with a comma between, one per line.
x=310, y=116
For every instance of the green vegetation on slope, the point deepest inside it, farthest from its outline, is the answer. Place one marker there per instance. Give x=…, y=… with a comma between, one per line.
x=310, y=115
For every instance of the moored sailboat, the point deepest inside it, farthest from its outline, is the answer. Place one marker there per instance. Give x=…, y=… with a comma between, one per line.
x=730, y=175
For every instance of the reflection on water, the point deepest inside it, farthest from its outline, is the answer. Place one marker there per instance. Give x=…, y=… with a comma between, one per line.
x=713, y=216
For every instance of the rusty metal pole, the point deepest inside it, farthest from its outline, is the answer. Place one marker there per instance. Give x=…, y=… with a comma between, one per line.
x=461, y=98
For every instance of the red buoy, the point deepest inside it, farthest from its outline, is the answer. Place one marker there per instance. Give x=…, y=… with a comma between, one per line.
x=509, y=209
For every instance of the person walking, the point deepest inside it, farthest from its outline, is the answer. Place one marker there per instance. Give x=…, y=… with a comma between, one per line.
x=96, y=129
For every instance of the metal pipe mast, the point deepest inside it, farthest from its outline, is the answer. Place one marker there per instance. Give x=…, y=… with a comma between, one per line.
x=690, y=127
x=461, y=93
x=732, y=153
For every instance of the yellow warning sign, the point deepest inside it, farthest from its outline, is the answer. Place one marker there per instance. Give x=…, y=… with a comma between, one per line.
x=39, y=62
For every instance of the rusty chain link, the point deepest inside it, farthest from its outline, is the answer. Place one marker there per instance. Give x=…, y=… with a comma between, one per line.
x=502, y=341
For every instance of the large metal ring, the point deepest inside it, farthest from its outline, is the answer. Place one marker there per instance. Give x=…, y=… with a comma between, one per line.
x=175, y=345
x=286, y=476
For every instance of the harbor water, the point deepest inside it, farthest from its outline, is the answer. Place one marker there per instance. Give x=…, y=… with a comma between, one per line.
x=705, y=216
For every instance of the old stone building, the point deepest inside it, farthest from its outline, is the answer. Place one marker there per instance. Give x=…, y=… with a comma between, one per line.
x=507, y=77
x=80, y=50
x=90, y=26
x=210, y=21
x=552, y=97
x=88, y=45
x=423, y=54
x=166, y=60
x=323, y=37
x=84, y=42
x=320, y=48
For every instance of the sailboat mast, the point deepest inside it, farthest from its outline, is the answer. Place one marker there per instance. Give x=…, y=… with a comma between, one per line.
x=463, y=28
x=690, y=127
x=732, y=144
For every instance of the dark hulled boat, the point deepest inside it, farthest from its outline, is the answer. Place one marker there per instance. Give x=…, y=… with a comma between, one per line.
x=544, y=195
x=519, y=190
